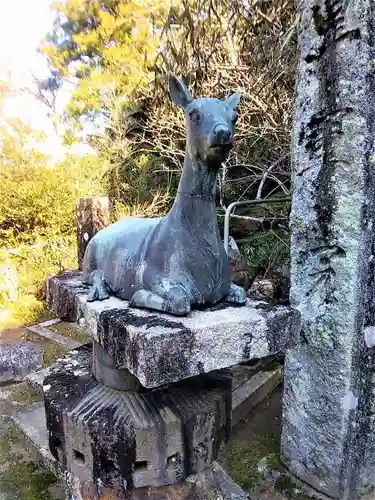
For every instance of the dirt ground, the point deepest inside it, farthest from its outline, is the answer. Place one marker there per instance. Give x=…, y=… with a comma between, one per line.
x=252, y=457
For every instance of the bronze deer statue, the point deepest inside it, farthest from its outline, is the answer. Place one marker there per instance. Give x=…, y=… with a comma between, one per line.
x=177, y=262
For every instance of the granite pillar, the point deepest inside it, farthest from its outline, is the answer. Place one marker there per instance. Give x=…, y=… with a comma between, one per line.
x=328, y=438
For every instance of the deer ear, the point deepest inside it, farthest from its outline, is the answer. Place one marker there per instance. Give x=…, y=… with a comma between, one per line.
x=234, y=100
x=180, y=94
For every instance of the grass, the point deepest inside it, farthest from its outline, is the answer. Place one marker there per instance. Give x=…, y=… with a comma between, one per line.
x=253, y=455
x=21, y=395
x=32, y=265
x=243, y=458
x=21, y=477
x=71, y=330
x=52, y=350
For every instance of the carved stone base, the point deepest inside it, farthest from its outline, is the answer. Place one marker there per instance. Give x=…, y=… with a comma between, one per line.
x=212, y=483
x=129, y=440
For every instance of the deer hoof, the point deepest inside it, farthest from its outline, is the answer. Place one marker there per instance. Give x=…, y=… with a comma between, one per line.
x=176, y=298
x=176, y=301
x=237, y=295
x=98, y=290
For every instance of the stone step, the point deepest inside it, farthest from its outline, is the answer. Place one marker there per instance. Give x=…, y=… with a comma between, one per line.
x=253, y=391
x=31, y=423
x=42, y=331
x=47, y=336
x=242, y=373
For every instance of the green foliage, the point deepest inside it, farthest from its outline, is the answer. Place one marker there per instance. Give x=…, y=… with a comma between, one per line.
x=37, y=216
x=265, y=251
x=108, y=45
x=22, y=475
x=221, y=46
x=118, y=52
x=36, y=196
x=136, y=178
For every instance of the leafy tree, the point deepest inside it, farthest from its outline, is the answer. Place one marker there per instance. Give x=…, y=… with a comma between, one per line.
x=108, y=46
x=221, y=46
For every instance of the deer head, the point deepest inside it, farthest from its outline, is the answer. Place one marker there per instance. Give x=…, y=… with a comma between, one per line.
x=210, y=123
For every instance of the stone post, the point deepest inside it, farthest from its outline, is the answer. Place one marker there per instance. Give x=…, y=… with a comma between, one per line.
x=92, y=215
x=328, y=438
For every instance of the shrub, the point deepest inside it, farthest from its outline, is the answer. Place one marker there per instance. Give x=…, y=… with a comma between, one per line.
x=37, y=217
x=37, y=197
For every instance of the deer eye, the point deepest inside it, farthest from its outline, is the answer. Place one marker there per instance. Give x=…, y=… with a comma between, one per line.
x=234, y=118
x=194, y=115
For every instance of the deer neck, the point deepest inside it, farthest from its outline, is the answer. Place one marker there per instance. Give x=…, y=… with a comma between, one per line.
x=198, y=179
x=195, y=197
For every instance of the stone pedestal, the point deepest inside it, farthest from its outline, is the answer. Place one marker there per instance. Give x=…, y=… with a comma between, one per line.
x=105, y=371
x=329, y=405
x=143, y=415
x=124, y=440
x=211, y=484
x=160, y=349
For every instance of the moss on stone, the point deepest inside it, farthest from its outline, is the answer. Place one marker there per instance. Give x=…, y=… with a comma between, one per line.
x=21, y=476
x=243, y=465
x=26, y=481
x=21, y=395
x=242, y=459
x=71, y=330
x=253, y=456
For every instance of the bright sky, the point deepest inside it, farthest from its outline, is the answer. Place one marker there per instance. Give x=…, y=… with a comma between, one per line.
x=23, y=23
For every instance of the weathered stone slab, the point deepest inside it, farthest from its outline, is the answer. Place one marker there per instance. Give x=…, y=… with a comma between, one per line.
x=328, y=437
x=253, y=391
x=129, y=440
x=64, y=295
x=159, y=349
x=18, y=359
x=53, y=336
x=31, y=422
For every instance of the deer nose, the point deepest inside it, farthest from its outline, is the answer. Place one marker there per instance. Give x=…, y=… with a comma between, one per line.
x=222, y=133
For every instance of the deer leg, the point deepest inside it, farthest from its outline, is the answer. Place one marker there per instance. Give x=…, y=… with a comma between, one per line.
x=236, y=295
x=99, y=288
x=165, y=296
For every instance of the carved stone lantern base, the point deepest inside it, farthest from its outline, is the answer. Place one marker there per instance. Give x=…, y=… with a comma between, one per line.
x=211, y=484
x=125, y=439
